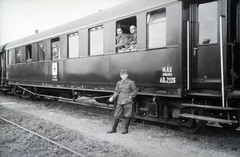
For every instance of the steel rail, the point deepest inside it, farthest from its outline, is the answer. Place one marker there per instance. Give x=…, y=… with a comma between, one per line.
x=145, y=125
x=61, y=146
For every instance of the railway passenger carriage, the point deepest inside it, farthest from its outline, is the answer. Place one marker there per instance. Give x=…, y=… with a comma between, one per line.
x=186, y=63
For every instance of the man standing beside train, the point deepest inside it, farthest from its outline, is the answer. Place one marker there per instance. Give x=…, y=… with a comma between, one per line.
x=124, y=93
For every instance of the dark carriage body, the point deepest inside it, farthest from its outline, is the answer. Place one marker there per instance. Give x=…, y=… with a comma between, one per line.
x=103, y=70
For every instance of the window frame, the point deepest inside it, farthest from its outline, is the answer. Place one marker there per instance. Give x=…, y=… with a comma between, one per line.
x=198, y=29
x=99, y=27
x=43, y=51
x=125, y=24
x=162, y=20
x=11, y=56
x=75, y=34
x=28, y=53
x=57, y=42
x=16, y=50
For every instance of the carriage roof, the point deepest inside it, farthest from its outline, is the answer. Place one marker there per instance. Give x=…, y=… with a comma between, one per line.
x=119, y=11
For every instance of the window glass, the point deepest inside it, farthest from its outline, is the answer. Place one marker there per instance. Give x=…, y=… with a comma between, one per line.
x=96, y=40
x=28, y=53
x=208, y=21
x=18, y=55
x=41, y=51
x=126, y=34
x=73, y=45
x=55, y=49
x=156, y=28
x=10, y=57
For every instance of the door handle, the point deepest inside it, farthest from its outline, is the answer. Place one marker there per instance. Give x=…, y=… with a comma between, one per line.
x=195, y=49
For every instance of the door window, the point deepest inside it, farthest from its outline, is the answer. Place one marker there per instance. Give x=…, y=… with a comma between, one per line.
x=208, y=22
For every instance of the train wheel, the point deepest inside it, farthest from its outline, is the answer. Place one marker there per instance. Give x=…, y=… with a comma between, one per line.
x=229, y=126
x=31, y=96
x=194, y=126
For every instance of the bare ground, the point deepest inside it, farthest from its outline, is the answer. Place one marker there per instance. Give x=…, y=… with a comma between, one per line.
x=87, y=133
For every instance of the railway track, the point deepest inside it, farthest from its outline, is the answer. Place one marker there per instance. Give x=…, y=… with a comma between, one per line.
x=212, y=135
x=42, y=137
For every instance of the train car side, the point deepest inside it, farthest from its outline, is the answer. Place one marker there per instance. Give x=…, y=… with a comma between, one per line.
x=82, y=71
x=177, y=43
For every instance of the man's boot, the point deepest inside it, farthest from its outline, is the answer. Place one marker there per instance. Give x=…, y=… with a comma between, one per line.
x=114, y=127
x=127, y=122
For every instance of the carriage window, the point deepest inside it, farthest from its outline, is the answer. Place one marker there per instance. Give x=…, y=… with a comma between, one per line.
x=10, y=57
x=55, y=44
x=126, y=35
x=96, y=40
x=28, y=53
x=41, y=51
x=18, y=55
x=208, y=22
x=73, y=45
x=156, y=29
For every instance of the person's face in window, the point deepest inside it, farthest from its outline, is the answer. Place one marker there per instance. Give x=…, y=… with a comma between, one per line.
x=132, y=29
x=119, y=31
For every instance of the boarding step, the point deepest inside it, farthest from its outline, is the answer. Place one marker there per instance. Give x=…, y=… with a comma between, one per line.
x=211, y=107
x=191, y=116
x=5, y=89
x=204, y=95
x=144, y=109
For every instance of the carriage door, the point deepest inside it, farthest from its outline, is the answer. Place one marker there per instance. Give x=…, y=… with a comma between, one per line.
x=204, y=46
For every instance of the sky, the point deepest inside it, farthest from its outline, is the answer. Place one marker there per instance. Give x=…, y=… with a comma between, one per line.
x=20, y=18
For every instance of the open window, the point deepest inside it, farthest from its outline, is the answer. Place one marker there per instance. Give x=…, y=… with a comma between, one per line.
x=73, y=45
x=18, y=55
x=156, y=29
x=126, y=34
x=41, y=51
x=55, y=45
x=29, y=53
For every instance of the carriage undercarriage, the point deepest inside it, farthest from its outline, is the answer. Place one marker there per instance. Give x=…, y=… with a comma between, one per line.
x=189, y=114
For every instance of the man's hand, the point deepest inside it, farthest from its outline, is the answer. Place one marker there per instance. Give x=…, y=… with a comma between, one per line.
x=110, y=99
